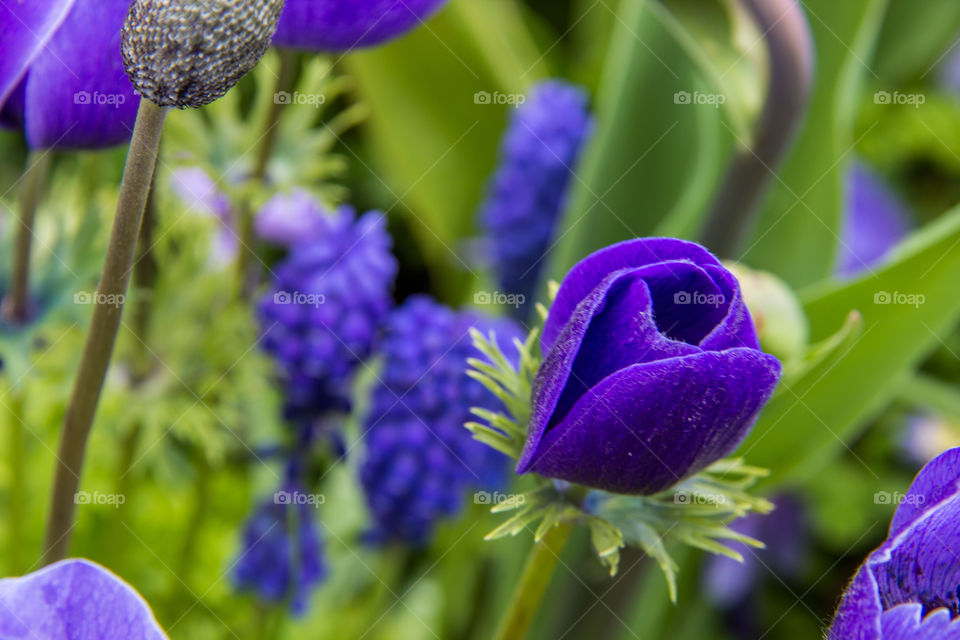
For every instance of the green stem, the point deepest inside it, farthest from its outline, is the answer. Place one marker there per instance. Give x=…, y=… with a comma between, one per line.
x=18, y=476
x=16, y=309
x=107, y=312
x=533, y=583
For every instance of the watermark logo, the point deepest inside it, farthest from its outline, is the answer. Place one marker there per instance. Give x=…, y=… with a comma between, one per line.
x=910, y=299
x=885, y=497
x=298, y=497
x=112, y=499
x=913, y=99
x=295, y=297
x=712, y=99
x=698, y=498
x=696, y=297
x=510, y=99
x=515, y=300
x=315, y=100
x=99, y=99
x=95, y=297
x=485, y=497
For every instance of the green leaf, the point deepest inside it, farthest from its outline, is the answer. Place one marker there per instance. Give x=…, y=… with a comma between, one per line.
x=916, y=36
x=433, y=144
x=803, y=214
x=812, y=419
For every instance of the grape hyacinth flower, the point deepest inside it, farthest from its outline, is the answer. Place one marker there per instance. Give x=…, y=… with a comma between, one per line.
x=876, y=221
x=74, y=599
x=527, y=194
x=333, y=25
x=61, y=74
x=652, y=370
x=321, y=316
x=909, y=588
x=282, y=555
x=420, y=461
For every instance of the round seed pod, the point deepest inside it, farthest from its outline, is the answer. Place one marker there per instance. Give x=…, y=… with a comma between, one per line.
x=188, y=53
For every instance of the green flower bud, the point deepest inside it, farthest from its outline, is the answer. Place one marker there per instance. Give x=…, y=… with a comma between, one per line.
x=188, y=53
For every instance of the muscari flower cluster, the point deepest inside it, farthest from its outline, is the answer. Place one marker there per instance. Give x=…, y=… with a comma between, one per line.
x=420, y=461
x=909, y=588
x=526, y=195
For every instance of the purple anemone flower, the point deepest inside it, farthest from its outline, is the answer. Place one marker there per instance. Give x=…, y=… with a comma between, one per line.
x=74, y=599
x=334, y=25
x=61, y=74
x=652, y=370
x=876, y=221
x=909, y=588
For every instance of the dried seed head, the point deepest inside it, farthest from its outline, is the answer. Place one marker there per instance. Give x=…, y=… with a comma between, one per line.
x=188, y=53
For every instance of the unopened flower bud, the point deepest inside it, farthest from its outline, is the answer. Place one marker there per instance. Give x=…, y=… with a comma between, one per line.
x=188, y=53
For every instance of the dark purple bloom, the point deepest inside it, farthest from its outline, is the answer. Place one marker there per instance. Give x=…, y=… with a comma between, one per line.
x=289, y=219
x=528, y=191
x=61, y=74
x=74, y=599
x=334, y=25
x=420, y=461
x=652, y=370
x=322, y=315
x=876, y=221
x=909, y=588
x=282, y=555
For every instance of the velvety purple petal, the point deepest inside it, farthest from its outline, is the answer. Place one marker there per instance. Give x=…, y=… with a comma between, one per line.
x=287, y=219
x=26, y=28
x=589, y=272
x=646, y=427
x=11, y=114
x=858, y=617
x=876, y=221
x=335, y=25
x=78, y=95
x=75, y=600
x=936, y=482
x=736, y=329
x=907, y=622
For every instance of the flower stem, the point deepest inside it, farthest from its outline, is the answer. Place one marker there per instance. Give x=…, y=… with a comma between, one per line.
x=533, y=583
x=17, y=452
x=16, y=309
x=107, y=311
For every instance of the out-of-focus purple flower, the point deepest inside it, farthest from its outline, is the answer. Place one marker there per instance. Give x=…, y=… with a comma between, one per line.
x=528, y=191
x=323, y=312
x=909, y=588
x=289, y=219
x=876, y=221
x=201, y=195
x=420, y=461
x=61, y=74
x=282, y=555
x=334, y=25
x=729, y=583
x=652, y=370
x=74, y=599
x=928, y=435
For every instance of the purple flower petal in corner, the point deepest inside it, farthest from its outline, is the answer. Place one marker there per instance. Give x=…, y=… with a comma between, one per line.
x=652, y=370
x=334, y=25
x=26, y=27
x=74, y=599
x=909, y=588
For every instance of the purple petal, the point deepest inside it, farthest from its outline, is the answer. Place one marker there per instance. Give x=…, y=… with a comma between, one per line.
x=78, y=95
x=26, y=28
x=858, y=617
x=334, y=25
x=590, y=272
x=906, y=622
x=936, y=482
x=646, y=427
x=74, y=599
x=287, y=219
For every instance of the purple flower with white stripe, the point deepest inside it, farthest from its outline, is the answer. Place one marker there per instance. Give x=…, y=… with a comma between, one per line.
x=652, y=370
x=61, y=74
x=909, y=588
x=334, y=25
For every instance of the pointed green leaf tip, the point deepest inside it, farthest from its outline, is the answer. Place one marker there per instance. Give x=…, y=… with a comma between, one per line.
x=188, y=53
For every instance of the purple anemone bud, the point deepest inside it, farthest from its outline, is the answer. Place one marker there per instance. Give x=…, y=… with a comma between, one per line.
x=334, y=25
x=909, y=588
x=61, y=75
x=74, y=599
x=652, y=370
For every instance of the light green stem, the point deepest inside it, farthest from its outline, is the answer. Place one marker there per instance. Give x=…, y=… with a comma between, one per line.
x=18, y=487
